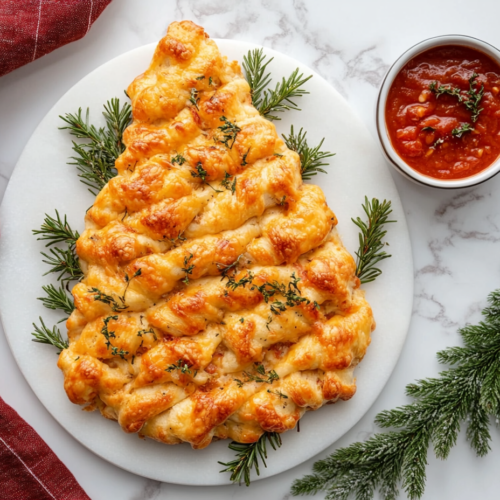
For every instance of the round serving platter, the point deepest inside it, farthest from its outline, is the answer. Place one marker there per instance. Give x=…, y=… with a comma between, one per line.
x=42, y=182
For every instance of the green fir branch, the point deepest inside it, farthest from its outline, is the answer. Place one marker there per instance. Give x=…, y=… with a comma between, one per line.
x=248, y=455
x=56, y=230
x=95, y=159
x=468, y=393
x=311, y=159
x=370, y=253
x=57, y=298
x=44, y=335
x=65, y=262
x=267, y=101
x=255, y=74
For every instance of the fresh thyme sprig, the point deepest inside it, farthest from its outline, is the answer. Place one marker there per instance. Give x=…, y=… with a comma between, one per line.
x=247, y=457
x=291, y=293
x=181, y=365
x=226, y=182
x=44, y=335
x=95, y=160
x=194, y=99
x=108, y=335
x=439, y=91
x=474, y=96
x=229, y=132
x=226, y=268
x=370, y=239
x=468, y=393
x=311, y=159
x=461, y=130
x=202, y=174
x=56, y=230
x=109, y=300
x=57, y=298
x=121, y=303
x=188, y=269
x=258, y=377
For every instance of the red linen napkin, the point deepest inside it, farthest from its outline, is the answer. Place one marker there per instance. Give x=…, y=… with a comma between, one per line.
x=29, y=469
x=30, y=29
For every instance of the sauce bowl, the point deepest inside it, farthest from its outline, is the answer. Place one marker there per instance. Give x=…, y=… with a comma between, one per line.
x=396, y=161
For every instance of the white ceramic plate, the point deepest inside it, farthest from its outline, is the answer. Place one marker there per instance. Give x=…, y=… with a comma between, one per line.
x=43, y=182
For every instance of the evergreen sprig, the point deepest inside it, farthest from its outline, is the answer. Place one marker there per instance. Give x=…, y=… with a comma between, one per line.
x=65, y=262
x=44, y=335
x=372, y=233
x=247, y=457
x=95, y=160
x=57, y=298
x=467, y=393
x=269, y=101
x=56, y=230
x=311, y=159
x=255, y=68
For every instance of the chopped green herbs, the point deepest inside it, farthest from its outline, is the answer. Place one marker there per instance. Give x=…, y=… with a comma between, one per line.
x=181, y=365
x=188, y=269
x=179, y=159
x=229, y=132
x=461, y=130
x=194, y=99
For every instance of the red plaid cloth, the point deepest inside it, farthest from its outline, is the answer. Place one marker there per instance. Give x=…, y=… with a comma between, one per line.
x=29, y=29
x=29, y=470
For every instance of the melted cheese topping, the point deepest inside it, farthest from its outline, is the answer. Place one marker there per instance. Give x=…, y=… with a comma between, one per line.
x=159, y=340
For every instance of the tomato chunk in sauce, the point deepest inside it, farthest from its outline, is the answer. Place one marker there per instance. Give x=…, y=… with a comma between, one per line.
x=443, y=112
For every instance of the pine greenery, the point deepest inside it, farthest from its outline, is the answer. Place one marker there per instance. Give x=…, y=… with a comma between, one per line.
x=268, y=101
x=95, y=160
x=469, y=392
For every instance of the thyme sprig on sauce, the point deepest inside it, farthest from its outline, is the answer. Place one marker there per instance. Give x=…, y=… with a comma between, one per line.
x=194, y=99
x=370, y=253
x=95, y=159
x=471, y=100
x=461, y=130
x=311, y=159
x=247, y=457
x=44, y=335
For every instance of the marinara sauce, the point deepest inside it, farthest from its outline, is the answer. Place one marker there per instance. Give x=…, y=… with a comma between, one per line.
x=443, y=112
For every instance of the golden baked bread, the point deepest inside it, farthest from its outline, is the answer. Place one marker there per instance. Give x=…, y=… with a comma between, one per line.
x=218, y=300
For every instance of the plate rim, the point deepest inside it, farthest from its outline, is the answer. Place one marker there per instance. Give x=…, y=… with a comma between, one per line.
x=265, y=472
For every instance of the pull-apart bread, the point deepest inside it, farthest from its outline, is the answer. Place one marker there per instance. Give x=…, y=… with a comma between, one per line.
x=218, y=300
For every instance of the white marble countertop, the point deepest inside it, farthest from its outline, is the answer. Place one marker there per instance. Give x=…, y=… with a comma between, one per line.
x=455, y=235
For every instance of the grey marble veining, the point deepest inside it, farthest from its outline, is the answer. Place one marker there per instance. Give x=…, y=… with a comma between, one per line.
x=455, y=235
